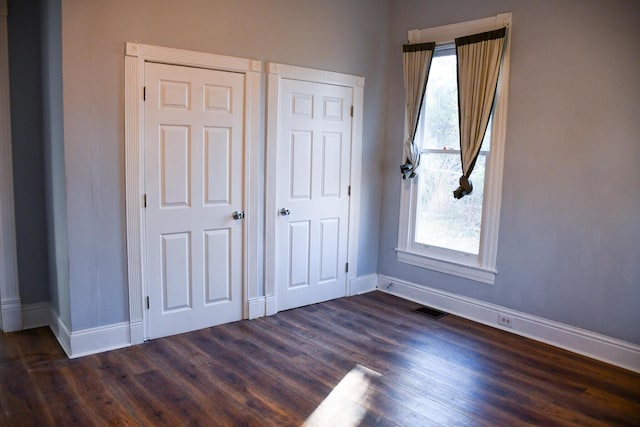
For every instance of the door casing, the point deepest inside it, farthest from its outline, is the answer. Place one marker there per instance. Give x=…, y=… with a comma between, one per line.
x=10, y=302
x=276, y=73
x=135, y=57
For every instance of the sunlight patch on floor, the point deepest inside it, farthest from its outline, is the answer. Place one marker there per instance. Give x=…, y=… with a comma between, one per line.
x=346, y=405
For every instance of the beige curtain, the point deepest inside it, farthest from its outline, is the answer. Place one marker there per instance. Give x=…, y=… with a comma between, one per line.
x=416, y=60
x=479, y=58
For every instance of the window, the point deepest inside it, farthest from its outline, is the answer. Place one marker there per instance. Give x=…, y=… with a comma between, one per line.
x=437, y=231
x=441, y=220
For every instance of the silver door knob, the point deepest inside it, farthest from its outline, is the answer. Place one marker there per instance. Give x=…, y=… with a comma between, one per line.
x=238, y=215
x=285, y=212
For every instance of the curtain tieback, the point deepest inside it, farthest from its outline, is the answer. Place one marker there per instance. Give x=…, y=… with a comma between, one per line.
x=466, y=187
x=407, y=170
x=412, y=154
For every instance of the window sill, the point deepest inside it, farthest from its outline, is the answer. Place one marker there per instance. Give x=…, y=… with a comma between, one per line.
x=454, y=268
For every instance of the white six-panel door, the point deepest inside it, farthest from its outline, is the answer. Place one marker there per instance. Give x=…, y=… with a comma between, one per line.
x=193, y=184
x=313, y=161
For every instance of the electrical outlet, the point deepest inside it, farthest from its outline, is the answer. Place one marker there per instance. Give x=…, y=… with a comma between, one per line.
x=505, y=320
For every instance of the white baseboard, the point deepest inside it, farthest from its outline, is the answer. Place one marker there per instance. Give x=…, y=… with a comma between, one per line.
x=591, y=344
x=136, y=331
x=90, y=341
x=257, y=307
x=597, y=346
x=11, y=314
x=271, y=305
x=79, y=343
x=357, y=286
x=97, y=340
x=60, y=331
x=36, y=315
x=364, y=284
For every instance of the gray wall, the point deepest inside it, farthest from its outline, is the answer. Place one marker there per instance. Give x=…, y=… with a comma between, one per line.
x=337, y=35
x=28, y=150
x=569, y=246
x=569, y=236
x=54, y=168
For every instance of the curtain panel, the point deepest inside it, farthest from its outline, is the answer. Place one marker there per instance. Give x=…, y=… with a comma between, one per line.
x=416, y=60
x=479, y=57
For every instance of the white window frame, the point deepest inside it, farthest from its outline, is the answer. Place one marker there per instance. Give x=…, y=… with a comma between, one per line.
x=481, y=267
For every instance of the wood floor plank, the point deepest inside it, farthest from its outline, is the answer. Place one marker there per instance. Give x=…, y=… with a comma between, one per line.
x=369, y=360
x=145, y=406
x=210, y=378
x=288, y=388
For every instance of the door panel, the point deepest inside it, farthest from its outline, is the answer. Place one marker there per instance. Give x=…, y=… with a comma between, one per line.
x=176, y=283
x=331, y=155
x=217, y=165
x=175, y=144
x=313, y=157
x=329, y=249
x=217, y=274
x=299, y=253
x=301, y=167
x=193, y=182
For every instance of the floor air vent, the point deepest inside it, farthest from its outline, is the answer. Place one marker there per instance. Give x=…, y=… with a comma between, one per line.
x=430, y=312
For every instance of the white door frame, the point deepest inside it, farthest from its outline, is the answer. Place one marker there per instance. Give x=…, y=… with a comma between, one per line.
x=277, y=72
x=135, y=57
x=10, y=303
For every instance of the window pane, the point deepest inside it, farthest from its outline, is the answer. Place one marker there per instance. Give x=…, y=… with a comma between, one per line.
x=442, y=220
x=439, y=125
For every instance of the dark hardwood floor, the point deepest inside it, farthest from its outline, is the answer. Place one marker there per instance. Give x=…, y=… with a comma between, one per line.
x=365, y=360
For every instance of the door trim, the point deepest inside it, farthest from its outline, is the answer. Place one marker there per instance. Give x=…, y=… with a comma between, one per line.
x=10, y=302
x=135, y=57
x=277, y=72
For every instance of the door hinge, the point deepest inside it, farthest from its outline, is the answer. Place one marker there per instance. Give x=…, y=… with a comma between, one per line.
x=352, y=111
x=144, y=200
x=144, y=93
x=147, y=303
x=349, y=191
x=346, y=268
